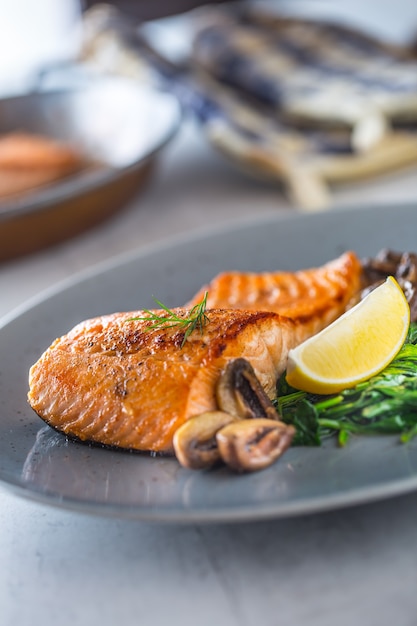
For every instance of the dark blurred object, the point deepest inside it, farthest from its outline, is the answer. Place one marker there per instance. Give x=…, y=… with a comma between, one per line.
x=307, y=70
x=144, y=10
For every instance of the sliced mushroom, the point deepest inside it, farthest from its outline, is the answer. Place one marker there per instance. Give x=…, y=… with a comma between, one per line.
x=407, y=278
x=240, y=393
x=384, y=264
x=407, y=267
x=250, y=445
x=195, y=442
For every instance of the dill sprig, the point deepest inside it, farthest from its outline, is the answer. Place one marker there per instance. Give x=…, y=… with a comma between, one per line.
x=196, y=318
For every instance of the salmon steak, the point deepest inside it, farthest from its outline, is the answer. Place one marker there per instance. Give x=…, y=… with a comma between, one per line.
x=117, y=382
x=120, y=382
x=315, y=296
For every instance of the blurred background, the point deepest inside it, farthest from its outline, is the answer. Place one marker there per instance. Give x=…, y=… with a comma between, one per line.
x=308, y=96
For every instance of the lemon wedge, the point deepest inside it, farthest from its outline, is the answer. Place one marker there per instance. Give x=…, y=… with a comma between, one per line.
x=358, y=345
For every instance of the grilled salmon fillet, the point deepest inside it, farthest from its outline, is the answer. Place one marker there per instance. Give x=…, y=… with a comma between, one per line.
x=116, y=382
x=315, y=296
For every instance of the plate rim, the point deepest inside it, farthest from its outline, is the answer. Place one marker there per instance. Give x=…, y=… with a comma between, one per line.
x=243, y=514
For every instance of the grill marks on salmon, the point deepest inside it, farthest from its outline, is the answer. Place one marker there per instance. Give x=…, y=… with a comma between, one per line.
x=315, y=296
x=116, y=382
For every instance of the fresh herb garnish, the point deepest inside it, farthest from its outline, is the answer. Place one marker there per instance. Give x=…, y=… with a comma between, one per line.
x=386, y=403
x=196, y=318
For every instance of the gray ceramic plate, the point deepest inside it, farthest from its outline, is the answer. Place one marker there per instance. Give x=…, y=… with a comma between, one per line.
x=41, y=464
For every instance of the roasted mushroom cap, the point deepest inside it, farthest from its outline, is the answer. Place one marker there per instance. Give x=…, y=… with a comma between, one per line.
x=240, y=393
x=195, y=442
x=249, y=445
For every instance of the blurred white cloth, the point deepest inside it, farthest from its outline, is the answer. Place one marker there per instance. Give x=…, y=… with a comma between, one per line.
x=35, y=33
